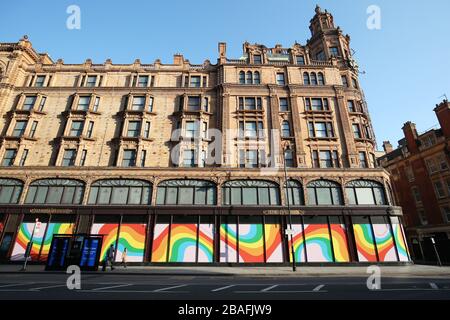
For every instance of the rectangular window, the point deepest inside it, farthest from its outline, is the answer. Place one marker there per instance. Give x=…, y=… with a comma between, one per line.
x=363, y=160
x=191, y=129
x=443, y=163
x=39, y=81
x=250, y=129
x=129, y=158
x=416, y=194
x=336, y=159
x=205, y=82
x=439, y=188
x=29, y=102
x=300, y=60
x=205, y=130
x=9, y=157
x=368, y=132
x=195, y=82
x=23, y=159
x=194, y=104
x=257, y=59
x=90, y=129
x=448, y=186
x=91, y=81
x=150, y=104
x=83, y=103
x=446, y=212
x=422, y=217
x=351, y=106
x=344, y=81
x=316, y=104
x=334, y=51
x=134, y=129
x=143, y=157
x=42, y=103
x=354, y=83
x=76, y=129
x=321, y=56
x=431, y=165
x=252, y=158
x=142, y=81
x=289, y=159
x=69, y=157
x=325, y=159
x=356, y=131
x=96, y=104
x=19, y=128
x=138, y=103
x=280, y=79
x=189, y=158
x=206, y=104
x=323, y=130
x=147, y=130
x=284, y=105
x=83, y=157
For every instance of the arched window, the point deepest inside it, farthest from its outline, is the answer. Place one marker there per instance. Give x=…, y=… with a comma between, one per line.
x=242, y=77
x=251, y=192
x=10, y=190
x=365, y=192
x=120, y=191
x=321, y=79
x=186, y=192
x=55, y=191
x=285, y=129
x=295, y=193
x=313, y=79
x=256, y=78
x=249, y=77
x=306, y=79
x=324, y=192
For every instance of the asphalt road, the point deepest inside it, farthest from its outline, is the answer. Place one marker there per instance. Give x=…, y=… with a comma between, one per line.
x=117, y=286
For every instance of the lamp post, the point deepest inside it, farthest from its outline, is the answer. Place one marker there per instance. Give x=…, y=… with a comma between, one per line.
x=291, y=231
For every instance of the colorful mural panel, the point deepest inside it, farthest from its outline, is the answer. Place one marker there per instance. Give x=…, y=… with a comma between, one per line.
x=402, y=248
x=228, y=243
x=131, y=237
x=251, y=243
x=160, y=242
x=109, y=230
x=385, y=244
x=24, y=237
x=299, y=244
x=318, y=244
x=206, y=243
x=274, y=244
x=340, y=244
x=183, y=243
x=365, y=243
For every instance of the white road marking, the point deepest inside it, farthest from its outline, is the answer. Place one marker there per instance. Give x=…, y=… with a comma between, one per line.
x=16, y=284
x=48, y=287
x=269, y=288
x=434, y=286
x=168, y=288
x=305, y=291
x=113, y=287
x=318, y=287
x=223, y=288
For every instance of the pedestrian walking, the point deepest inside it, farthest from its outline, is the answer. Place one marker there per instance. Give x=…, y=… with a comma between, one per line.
x=109, y=258
x=124, y=257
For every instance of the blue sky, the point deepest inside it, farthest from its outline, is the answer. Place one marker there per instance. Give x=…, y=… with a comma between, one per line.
x=407, y=62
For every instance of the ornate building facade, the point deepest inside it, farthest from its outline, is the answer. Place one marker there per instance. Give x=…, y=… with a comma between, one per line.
x=420, y=174
x=189, y=163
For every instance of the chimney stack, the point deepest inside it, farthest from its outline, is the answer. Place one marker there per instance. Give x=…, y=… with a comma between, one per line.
x=387, y=146
x=411, y=135
x=443, y=114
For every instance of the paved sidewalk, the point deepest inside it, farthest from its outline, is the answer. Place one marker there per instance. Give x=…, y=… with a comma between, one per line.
x=307, y=271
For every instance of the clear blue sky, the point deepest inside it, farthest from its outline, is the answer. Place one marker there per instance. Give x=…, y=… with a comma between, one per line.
x=407, y=62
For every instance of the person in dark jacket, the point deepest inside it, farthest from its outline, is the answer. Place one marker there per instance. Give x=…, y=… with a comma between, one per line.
x=109, y=258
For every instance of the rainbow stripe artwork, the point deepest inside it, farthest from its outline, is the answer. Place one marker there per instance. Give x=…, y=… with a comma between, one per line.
x=385, y=244
x=183, y=243
x=299, y=244
x=251, y=243
x=206, y=243
x=132, y=237
x=109, y=230
x=318, y=244
x=54, y=228
x=228, y=243
x=274, y=246
x=160, y=242
x=365, y=244
x=340, y=244
x=24, y=237
x=402, y=249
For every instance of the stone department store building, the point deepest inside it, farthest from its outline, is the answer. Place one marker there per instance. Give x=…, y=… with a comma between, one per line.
x=125, y=151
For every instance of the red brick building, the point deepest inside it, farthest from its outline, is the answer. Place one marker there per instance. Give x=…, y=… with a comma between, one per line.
x=421, y=181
